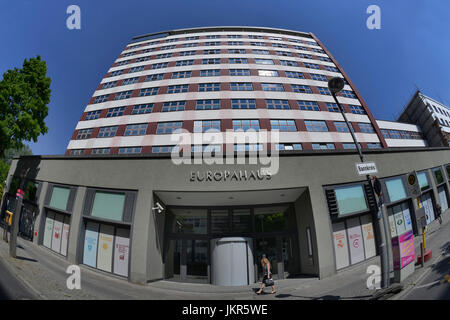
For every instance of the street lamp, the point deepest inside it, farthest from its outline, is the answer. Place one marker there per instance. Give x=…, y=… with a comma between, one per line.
x=336, y=84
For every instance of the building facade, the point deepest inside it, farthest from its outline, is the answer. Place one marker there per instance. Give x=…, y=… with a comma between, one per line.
x=431, y=116
x=121, y=202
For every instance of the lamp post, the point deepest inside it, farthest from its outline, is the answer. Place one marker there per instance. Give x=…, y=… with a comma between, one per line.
x=335, y=85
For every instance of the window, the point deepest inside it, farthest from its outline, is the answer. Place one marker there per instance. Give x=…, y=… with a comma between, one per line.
x=181, y=74
x=108, y=85
x=181, y=63
x=76, y=152
x=212, y=43
x=288, y=146
x=283, y=125
x=168, y=47
x=301, y=88
x=357, y=109
x=311, y=65
x=136, y=129
x=348, y=94
x=59, y=198
x=159, y=65
x=122, y=63
x=293, y=74
x=115, y=112
x=168, y=127
x=243, y=104
x=248, y=147
x=136, y=69
x=148, y=50
x=272, y=87
x=178, y=88
x=214, y=36
x=317, y=50
x=116, y=73
x=284, y=53
x=206, y=87
x=148, y=92
x=395, y=134
x=277, y=104
x=214, y=51
x=350, y=145
x=423, y=181
x=130, y=150
x=267, y=73
x=374, y=145
x=279, y=45
x=245, y=125
x=264, y=61
x=241, y=86
x=217, y=148
x=84, y=134
x=236, y=51
x=255, y=37
x=305, y=56
x=101, y=151
x=405, y=135
x=300, y=48
x=342, y=126
x=385, y=134
x=207, y=105
x=323, y=146
x=130, y=81
x=257, y=44
x=187, y=53
x=142, y=108
x=172, y=40
x=164, y=149
x=318, y=77
x=106, y=132
x=235, y=43
x=316, y=125
x=366, y=127
x=207, y=125
x=238, y=60
x=173, y=106
x=438, y=174
x=325, y=59
x=154, y=77
x=332, y=69
x=188, y=45
x=210, y=73
x=100, y=99
x=123, y=95
x=92, y=115
x=288, y=63
x=163, y=55
x=324, y=91
x=332, y=107
x=211, y=61
x=308, y=105
x=259, y=51
x=350, y=200
x=192, y=38
x=239, y=72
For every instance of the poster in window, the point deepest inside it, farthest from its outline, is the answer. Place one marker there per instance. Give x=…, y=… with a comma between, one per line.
x=392, y=223
x=65, y=235
x=369, y=236
x=427, y=203
x=443, y=198
x=48, y=231
x=105, y=247
x=355, y=240
x=399, y=220
x=340, y=245
x=121, y=252
x=406, y=216
x=90, y=244
x=57, y=232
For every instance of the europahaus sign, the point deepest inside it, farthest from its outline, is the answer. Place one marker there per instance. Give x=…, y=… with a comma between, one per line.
x=227, y=175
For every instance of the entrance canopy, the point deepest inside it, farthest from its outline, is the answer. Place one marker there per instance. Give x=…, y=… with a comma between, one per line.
x=229, y=198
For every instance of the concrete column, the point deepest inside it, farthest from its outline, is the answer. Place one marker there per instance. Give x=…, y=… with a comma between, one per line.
x=434, y=187
x=75, y=226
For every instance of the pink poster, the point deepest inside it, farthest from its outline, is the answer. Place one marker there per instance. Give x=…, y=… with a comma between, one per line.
x=403, y=250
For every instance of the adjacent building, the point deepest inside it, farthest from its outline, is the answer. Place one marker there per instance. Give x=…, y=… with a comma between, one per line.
x=119, y=203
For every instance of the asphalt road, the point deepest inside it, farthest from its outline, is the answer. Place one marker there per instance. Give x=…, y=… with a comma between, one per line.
x=10, y=287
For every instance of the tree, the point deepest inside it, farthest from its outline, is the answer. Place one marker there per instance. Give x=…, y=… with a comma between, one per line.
x=4, y=169
x=10, y=153
x=24, y=96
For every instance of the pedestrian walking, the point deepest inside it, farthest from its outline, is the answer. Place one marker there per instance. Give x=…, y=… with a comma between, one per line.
x=267, y=278
x=439, y=212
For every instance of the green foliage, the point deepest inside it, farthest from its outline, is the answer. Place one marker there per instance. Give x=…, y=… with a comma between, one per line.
x=24, y=96
x=10, y=153
x=4, y=169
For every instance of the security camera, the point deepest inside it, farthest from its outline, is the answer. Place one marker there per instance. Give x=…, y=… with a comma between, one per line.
x=158, y=207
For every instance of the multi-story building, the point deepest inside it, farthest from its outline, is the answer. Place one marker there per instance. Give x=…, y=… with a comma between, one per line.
x=119, y=202
x=431, y=116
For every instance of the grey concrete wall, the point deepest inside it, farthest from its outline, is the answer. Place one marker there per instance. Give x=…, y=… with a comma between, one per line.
x=146, y=175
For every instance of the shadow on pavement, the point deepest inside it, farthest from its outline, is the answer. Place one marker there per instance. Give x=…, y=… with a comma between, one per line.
x=26, y=259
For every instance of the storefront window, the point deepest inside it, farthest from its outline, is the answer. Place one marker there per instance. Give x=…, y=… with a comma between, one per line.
x=242, y=220
x=219, y=221
x=270, y=219
x=350, y=199
x=60, y=197
x=14, y=185
x=196, y=258
x=395, y=189
x=438, y=174
x=423, y=180
x=189, y=221
x=31, y=191
x=108, y=205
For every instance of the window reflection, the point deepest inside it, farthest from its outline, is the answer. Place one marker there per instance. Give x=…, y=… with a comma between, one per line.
x=271, y=219
x=189, y=221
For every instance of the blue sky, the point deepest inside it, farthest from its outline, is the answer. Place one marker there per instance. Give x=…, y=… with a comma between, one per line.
x=411, y=49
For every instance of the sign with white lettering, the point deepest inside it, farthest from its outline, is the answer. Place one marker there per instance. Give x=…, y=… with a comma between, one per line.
x=413, y=185
x=366, y=168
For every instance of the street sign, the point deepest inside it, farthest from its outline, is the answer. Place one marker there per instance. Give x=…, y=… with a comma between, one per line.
x=20, y=193
x=413, y=185
x=366, y=168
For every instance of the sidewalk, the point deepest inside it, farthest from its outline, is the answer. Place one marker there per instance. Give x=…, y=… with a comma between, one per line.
x=44, y=274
